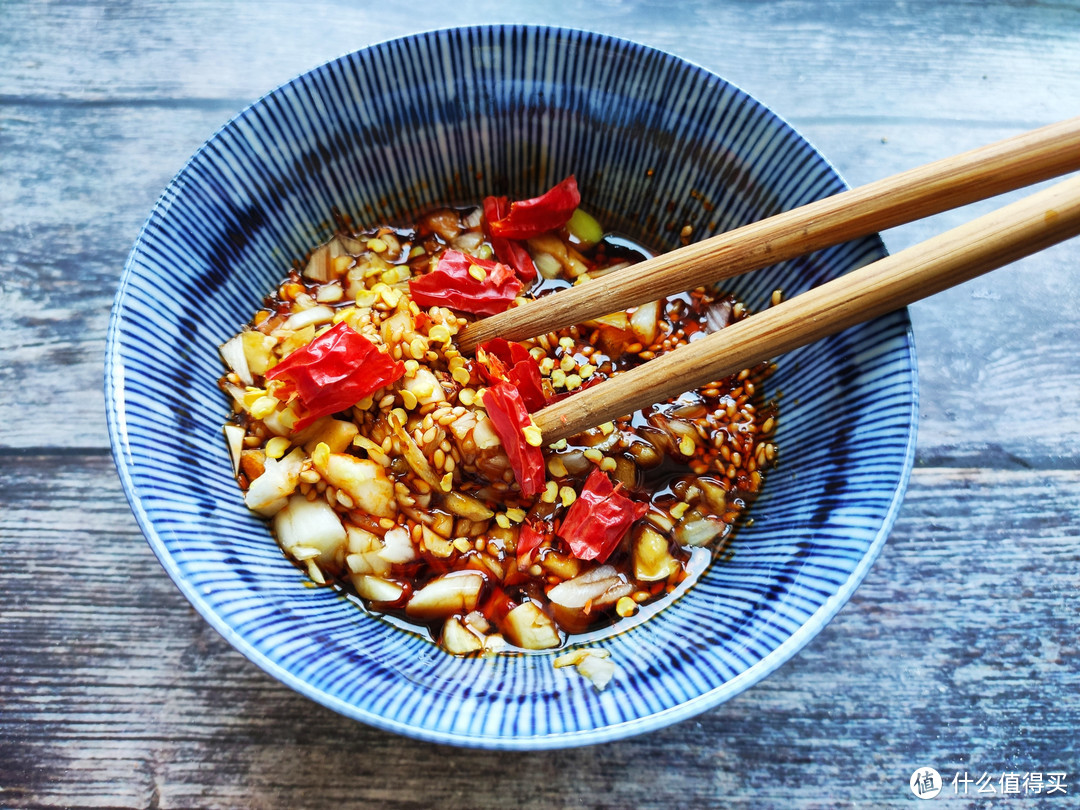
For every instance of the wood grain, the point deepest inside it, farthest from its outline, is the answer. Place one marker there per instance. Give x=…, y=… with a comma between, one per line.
x=116, y=693
x=958, y=651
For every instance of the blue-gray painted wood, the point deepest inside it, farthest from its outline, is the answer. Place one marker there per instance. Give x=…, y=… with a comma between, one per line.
x=959, y=650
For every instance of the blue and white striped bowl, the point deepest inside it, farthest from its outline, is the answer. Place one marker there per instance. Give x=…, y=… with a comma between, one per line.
x=448, y=117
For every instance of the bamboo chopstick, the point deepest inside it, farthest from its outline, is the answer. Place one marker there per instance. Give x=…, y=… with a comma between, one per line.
x=920, y=192
x=991, y=241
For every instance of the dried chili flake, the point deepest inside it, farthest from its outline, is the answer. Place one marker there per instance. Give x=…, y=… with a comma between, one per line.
x=529, y=539
x=599, y=518
x=499, y=359
x=497, y=605
x=334, y=372
x=548, y=212
x=508, y=251
x=509, y=417
x=467, y=284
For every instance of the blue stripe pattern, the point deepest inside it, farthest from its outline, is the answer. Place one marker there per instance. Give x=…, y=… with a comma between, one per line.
x=447, y=117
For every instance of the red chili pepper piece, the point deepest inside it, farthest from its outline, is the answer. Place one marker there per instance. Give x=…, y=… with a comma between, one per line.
x=509, y=418
x=548, y=212
x=334, y=372
x=529, y=539
x=502, y=360
x=598, y=519
x=451, y=284
x=497, y=605
x=507, y=251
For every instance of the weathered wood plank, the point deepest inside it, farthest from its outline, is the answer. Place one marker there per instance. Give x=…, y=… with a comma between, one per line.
x=77, y=186
x=952, y=60
x=959, y=651
x=86, y=152
x=955, y=652
x=984, y=391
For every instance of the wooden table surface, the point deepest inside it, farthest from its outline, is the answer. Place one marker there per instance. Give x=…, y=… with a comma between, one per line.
x=959, y=651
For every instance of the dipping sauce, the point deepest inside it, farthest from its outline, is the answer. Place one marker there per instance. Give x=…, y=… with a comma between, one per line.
x=394, y=467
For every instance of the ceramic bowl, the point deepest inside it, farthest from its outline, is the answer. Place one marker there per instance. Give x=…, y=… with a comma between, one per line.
x=448, y=117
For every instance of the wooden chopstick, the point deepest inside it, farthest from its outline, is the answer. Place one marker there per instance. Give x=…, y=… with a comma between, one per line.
x=920, y=192
x=991, y=241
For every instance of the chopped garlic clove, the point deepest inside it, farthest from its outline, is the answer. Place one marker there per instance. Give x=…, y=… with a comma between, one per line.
x=234, y=437
x=363, y=480
x=268, y=493
x=457, y=639
x=452, y=593
x=530, y=628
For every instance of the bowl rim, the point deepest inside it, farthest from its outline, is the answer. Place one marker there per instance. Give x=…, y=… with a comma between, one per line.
x=122, y=457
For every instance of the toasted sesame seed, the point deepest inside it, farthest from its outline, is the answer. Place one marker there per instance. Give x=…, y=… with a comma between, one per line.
x=276, y=447
x=551, y=492
x=533, y=436
x=264, y=406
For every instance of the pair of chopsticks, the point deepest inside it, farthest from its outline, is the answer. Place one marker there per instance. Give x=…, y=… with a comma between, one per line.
x=991, y=241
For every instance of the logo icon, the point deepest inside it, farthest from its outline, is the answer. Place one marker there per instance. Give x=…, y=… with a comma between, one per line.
x=925, y=783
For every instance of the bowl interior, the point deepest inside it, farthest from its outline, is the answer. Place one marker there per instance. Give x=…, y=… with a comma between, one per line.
x=449, y=117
